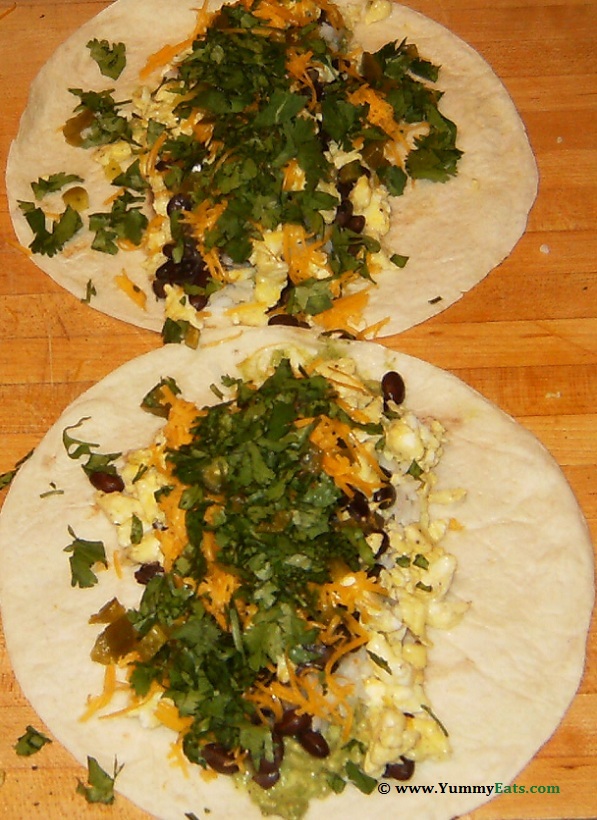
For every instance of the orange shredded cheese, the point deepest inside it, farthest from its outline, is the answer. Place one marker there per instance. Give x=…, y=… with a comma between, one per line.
x=132, y=290
x=373, y=330
x=174, y=539
x=168, y=53
x=214, y=265
x=301, y=252
x=345, y=312
x=97, y=702
x=293, y=177
x=150, y=158
x=349, y=590
x=181, y=417
x=116, y=563
x=279, y=16
x=136, y=701
x=381, y=112
x=167, y=713
x=341, y=452
x=297, y=64
x=216, y=591
x=177, y=756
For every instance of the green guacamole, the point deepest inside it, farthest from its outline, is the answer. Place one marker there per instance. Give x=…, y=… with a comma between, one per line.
x=302, y=778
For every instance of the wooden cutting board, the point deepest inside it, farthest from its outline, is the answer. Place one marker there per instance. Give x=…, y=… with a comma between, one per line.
x=526, y=337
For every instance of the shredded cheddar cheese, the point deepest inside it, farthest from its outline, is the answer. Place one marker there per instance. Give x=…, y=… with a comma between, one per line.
x=132, y=290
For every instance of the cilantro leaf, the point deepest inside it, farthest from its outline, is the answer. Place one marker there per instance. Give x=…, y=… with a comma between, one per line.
x=132, y=178
x=7, y=477
x=103, y=123
x=50, y=242
x=362, y=781
x=77, y=448
x=84, y=555
x=90, y=292
x=52, y=183
x=111, y=59
x=125, y=221
x=100, y=785
x=379, y=661
x=31, y=742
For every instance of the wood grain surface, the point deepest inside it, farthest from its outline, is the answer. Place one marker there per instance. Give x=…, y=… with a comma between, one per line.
x=526, y=337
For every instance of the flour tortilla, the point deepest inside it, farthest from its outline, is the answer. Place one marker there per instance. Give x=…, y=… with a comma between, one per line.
x=501, y=680
x=453, y=233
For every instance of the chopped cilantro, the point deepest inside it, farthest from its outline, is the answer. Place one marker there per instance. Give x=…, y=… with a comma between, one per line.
x=155, y=401
x=136, y=529
x=279, y=533
x=53, y=491
x=399, y=260
x=415, y=470
x=362, y=781
x=7, y=477
x=31, y=742
x=48, y=242
x=111, y=59
x=125, y=221
x=103, y=123
x=84, y=555
x=77, y=448
x=379, y=661
x=100, y=785
x=90, y=292
x=431, y=714
x=52, y=183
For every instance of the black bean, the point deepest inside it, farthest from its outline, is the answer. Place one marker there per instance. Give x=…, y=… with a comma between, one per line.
x=385, y=496
x=385, y=543
x=402, y=770
x=198, y=300
x=148, y=571
x=159, y=289
x=374, y=571
x=266, y=779
x=189, y=271
x=344, y=213
x=393, y=388
x=339, y=333
x=268, y=772
x=286, y=319
x=179, y=202
x=107, y=482
x=358, y=505
x=219, y=758
x=191, y=251
x=291, y=722
x=356, y=224
x=166, y=271
x=314, y=743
